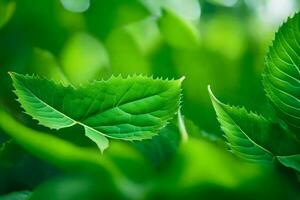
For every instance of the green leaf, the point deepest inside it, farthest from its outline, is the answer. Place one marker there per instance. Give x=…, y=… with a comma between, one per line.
x=76, y=5
x=282, y=72
x=239, y=126
x=290, y=161
x=254, y=138
x=134, y=108
x=101, y=141
x=177, y=31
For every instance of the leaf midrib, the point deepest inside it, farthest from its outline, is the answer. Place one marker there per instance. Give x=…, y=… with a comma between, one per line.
x=125, y=103
x=247, y=135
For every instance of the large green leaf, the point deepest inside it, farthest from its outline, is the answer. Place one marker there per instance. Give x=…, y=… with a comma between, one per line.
x=132, y=108
x=253, y=137
x=282, y=72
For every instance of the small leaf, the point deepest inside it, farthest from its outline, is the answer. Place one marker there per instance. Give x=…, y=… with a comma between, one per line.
x=134, y=108
x=101, y=141
x=253, y=137
x=177, y=31
x=282, y=72
x=238, y=126
x=76, y=5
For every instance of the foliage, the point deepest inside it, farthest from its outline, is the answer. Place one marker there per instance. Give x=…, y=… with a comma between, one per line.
x=134, y=108
x=87, y=75
x=254, y=137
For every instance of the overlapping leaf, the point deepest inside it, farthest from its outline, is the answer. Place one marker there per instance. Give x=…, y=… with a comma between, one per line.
x=291, y=161
x=282, y=72
x=134, y=108
x=239, y=126
x=251, y=136
x=281, y=80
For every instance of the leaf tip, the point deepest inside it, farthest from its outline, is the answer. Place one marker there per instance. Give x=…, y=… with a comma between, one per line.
x=11, y=74
x=182, y=79
x=213, y=97
x=211, y=94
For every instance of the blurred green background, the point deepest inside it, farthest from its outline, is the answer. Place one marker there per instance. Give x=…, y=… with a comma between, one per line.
x=216, y=42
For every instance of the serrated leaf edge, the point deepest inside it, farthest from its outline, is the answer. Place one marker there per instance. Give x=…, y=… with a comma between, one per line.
x=179, y=103
x=251, y=113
